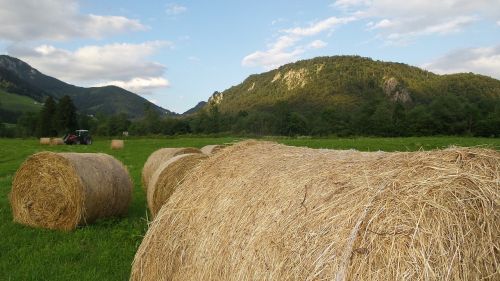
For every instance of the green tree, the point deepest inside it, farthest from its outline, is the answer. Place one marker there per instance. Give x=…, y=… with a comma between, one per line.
x=399, y=120
x=382, y=119
x=297, y=125
x=214, y=118
x=421, y=122
x=117, y=124
x=151, y=120
x=87, y=122
x=26, y=125
x=46, y=121
x=66, y=118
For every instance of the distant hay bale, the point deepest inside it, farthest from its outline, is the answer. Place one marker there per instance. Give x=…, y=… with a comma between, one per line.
x=212, y=148
x=56, y=141
x=159, y=157
x=168, y=176
x=117, y=144
x=44, y=141
x=263, y=211
x=64, y=190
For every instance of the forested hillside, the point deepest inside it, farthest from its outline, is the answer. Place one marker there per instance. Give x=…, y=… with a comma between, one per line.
x=351, y=95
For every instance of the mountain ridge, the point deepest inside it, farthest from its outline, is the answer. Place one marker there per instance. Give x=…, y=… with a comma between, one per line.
x=107, y=100
x=339, y=80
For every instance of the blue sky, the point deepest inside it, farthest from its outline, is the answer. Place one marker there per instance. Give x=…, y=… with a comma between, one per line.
x=177, y=53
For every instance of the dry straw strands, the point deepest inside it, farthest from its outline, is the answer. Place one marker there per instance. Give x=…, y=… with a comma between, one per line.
x=168, y=176
x=56, y=141
x=212, y=148
x=117, y=144
x=63, y=190
x=44, y=141
x=159, y=157
x=263, y=211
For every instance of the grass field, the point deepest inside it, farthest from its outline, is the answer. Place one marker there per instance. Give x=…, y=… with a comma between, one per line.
x=20, y=103
x=104, y=250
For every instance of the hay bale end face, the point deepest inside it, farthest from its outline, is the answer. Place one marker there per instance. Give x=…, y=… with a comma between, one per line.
x=263, y=211
x=168, y=177
x=159, y=157
x=117, y=144
x=44, y=141
x=56, y=141
x=211, y=149
x=64, y=190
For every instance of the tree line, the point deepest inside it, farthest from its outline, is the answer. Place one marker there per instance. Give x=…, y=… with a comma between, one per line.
x=445, y=115
x=54, y=119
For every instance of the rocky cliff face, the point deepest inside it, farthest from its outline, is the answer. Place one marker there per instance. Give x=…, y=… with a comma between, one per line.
x=395, y=91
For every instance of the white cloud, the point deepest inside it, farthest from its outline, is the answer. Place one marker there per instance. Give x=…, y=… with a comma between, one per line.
x=403, y=21
x=326, y=24
x=90, y=65
x=278, y=20
x=484, y=61
x=27, y=20
x=175, y=9
x=286, y=48
x=344, y=4
x=498, y=23
x=317, y=44
x=381, y=24
x=139, y=84
x=274, y=56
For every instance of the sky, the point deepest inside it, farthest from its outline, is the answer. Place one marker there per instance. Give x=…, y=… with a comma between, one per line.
x=177, y=53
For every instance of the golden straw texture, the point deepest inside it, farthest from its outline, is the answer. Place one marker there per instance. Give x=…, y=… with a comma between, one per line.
x=212, y=148
x=45, y=141
x=264, y=211
x=64, y=190
x=117, y=144
x=159, y=157
x=168, y=176
x=56, y=141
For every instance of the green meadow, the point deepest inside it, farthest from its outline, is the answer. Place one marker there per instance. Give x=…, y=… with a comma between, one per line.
x=105, y=249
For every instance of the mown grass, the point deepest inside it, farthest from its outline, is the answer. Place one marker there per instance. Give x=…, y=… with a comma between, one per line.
x=105, y=250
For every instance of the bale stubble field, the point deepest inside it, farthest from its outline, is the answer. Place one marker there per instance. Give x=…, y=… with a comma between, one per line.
x=105, y=249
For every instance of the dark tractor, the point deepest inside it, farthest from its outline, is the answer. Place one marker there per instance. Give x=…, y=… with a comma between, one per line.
x=78, y=137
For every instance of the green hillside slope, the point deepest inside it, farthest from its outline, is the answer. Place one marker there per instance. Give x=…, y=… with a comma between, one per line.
x=18, y=77
x=351, y=95
x=13, y=105
x=349, y=80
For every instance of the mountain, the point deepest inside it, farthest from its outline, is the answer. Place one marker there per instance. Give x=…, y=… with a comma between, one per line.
x=348, y=81
x=352, y=95
x=17, y=77
x=196, y=108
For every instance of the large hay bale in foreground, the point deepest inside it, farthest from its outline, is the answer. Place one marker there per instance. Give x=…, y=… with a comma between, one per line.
x=168, y=176
x=263, y=211
x=117, y=144
x=44, y=141
x=211, y=149
x=159, y=157
x=56, y=141
x=64, y=190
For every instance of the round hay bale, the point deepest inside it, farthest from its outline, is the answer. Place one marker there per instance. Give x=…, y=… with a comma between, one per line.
x=64, y=190
x=263, y=211
x=168, y=176
x=56, y=141
x=117, y=144
x=44, y=141
x=159, y=157
x=211, y=149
